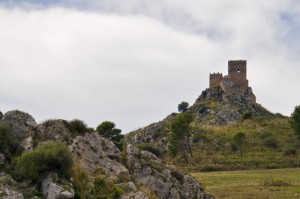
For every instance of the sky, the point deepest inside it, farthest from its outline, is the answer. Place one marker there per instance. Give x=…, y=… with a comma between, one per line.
x=132, y=62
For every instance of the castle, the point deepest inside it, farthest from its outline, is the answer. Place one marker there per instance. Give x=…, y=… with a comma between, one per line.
x=235, y=83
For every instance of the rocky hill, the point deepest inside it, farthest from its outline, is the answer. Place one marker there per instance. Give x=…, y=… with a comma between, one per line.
x=100, y=169
x=212, y=108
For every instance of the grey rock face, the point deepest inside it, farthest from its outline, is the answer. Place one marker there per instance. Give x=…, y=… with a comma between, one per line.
x=2, y=159
x=160, y=180
x=54, y=190
x=127, y=186
x=21, y=123
x=27, y=144
x=55, y=130
x=137, y=195
x=8, y=188
x=95, y=153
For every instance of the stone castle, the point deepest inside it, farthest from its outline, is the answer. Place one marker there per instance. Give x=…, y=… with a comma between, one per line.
x=235, y=83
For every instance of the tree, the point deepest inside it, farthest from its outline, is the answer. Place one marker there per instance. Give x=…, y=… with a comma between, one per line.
x=107, y=129
x=238, y=140
x=180, y=135
x=183, y=106
x=295, y=121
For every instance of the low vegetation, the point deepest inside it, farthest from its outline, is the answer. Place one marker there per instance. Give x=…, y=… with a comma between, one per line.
x=269, y=142
x=149, y=147
x=87, y=187
x=46, y=158
x=277, y=183
x=9, y=145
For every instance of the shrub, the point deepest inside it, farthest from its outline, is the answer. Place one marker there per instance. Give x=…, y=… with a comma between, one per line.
x=290, y=152
x=149, y=147
x=247, y=115
x=105, y=190
x=77, y=126
x=271, y=142
x=9, y=145
x=49, y=157
x=179, y=176
x=264, y=134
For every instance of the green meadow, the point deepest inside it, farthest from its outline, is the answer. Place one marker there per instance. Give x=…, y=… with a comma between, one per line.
x=252, y=184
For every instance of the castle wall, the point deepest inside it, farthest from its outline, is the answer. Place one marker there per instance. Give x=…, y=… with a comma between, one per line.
x=214, y=79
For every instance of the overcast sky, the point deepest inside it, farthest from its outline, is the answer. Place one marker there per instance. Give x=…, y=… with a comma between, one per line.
x=133, y=61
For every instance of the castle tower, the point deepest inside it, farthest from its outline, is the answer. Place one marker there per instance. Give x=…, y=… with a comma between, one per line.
x=237, y=72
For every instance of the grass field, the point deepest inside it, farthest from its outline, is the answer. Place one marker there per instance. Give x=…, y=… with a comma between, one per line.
x=252, y=184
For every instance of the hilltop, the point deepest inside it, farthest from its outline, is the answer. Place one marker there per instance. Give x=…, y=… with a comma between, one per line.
x=221, y=111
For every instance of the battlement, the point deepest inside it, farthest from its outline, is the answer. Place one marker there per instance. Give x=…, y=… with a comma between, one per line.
x=235, y=83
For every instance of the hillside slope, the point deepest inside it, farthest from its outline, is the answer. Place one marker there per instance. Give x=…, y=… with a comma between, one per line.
x=217, y=118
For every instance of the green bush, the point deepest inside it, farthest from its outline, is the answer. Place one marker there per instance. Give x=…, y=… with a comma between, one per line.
x=49, y=157
x=105, y=190
x=77, y=126
x=149, y=147
x=247, y=115
x=9, y=145
x=290, y=152
x=271, y=142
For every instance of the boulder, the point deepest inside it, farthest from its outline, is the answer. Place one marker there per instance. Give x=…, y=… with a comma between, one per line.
x=21, y=123
x=94, y=154
x=56, y=130
x=54, y=188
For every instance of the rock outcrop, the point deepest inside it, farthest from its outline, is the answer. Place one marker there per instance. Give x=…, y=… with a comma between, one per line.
x=141, y=174
x=21, y=123
x=8, y=188
x=151, y=176
x=54, y=188
x=56, y=130
x=94, y=153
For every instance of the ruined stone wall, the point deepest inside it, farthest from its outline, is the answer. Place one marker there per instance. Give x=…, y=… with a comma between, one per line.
x=214, y=79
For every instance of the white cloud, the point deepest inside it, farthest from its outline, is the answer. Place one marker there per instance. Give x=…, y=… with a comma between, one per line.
x=133, y=63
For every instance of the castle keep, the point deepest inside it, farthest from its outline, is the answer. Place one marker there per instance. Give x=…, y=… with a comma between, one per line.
x=235, y=83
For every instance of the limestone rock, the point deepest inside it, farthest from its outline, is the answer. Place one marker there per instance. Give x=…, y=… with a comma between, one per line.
x=127, y=186
x=2, y=158
x=8, y=188
x=55, y=130
x=54, y=190
x=27, y=144
x=95, y=153
x=21, y=123
x=137, y=195
x=160, y=180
